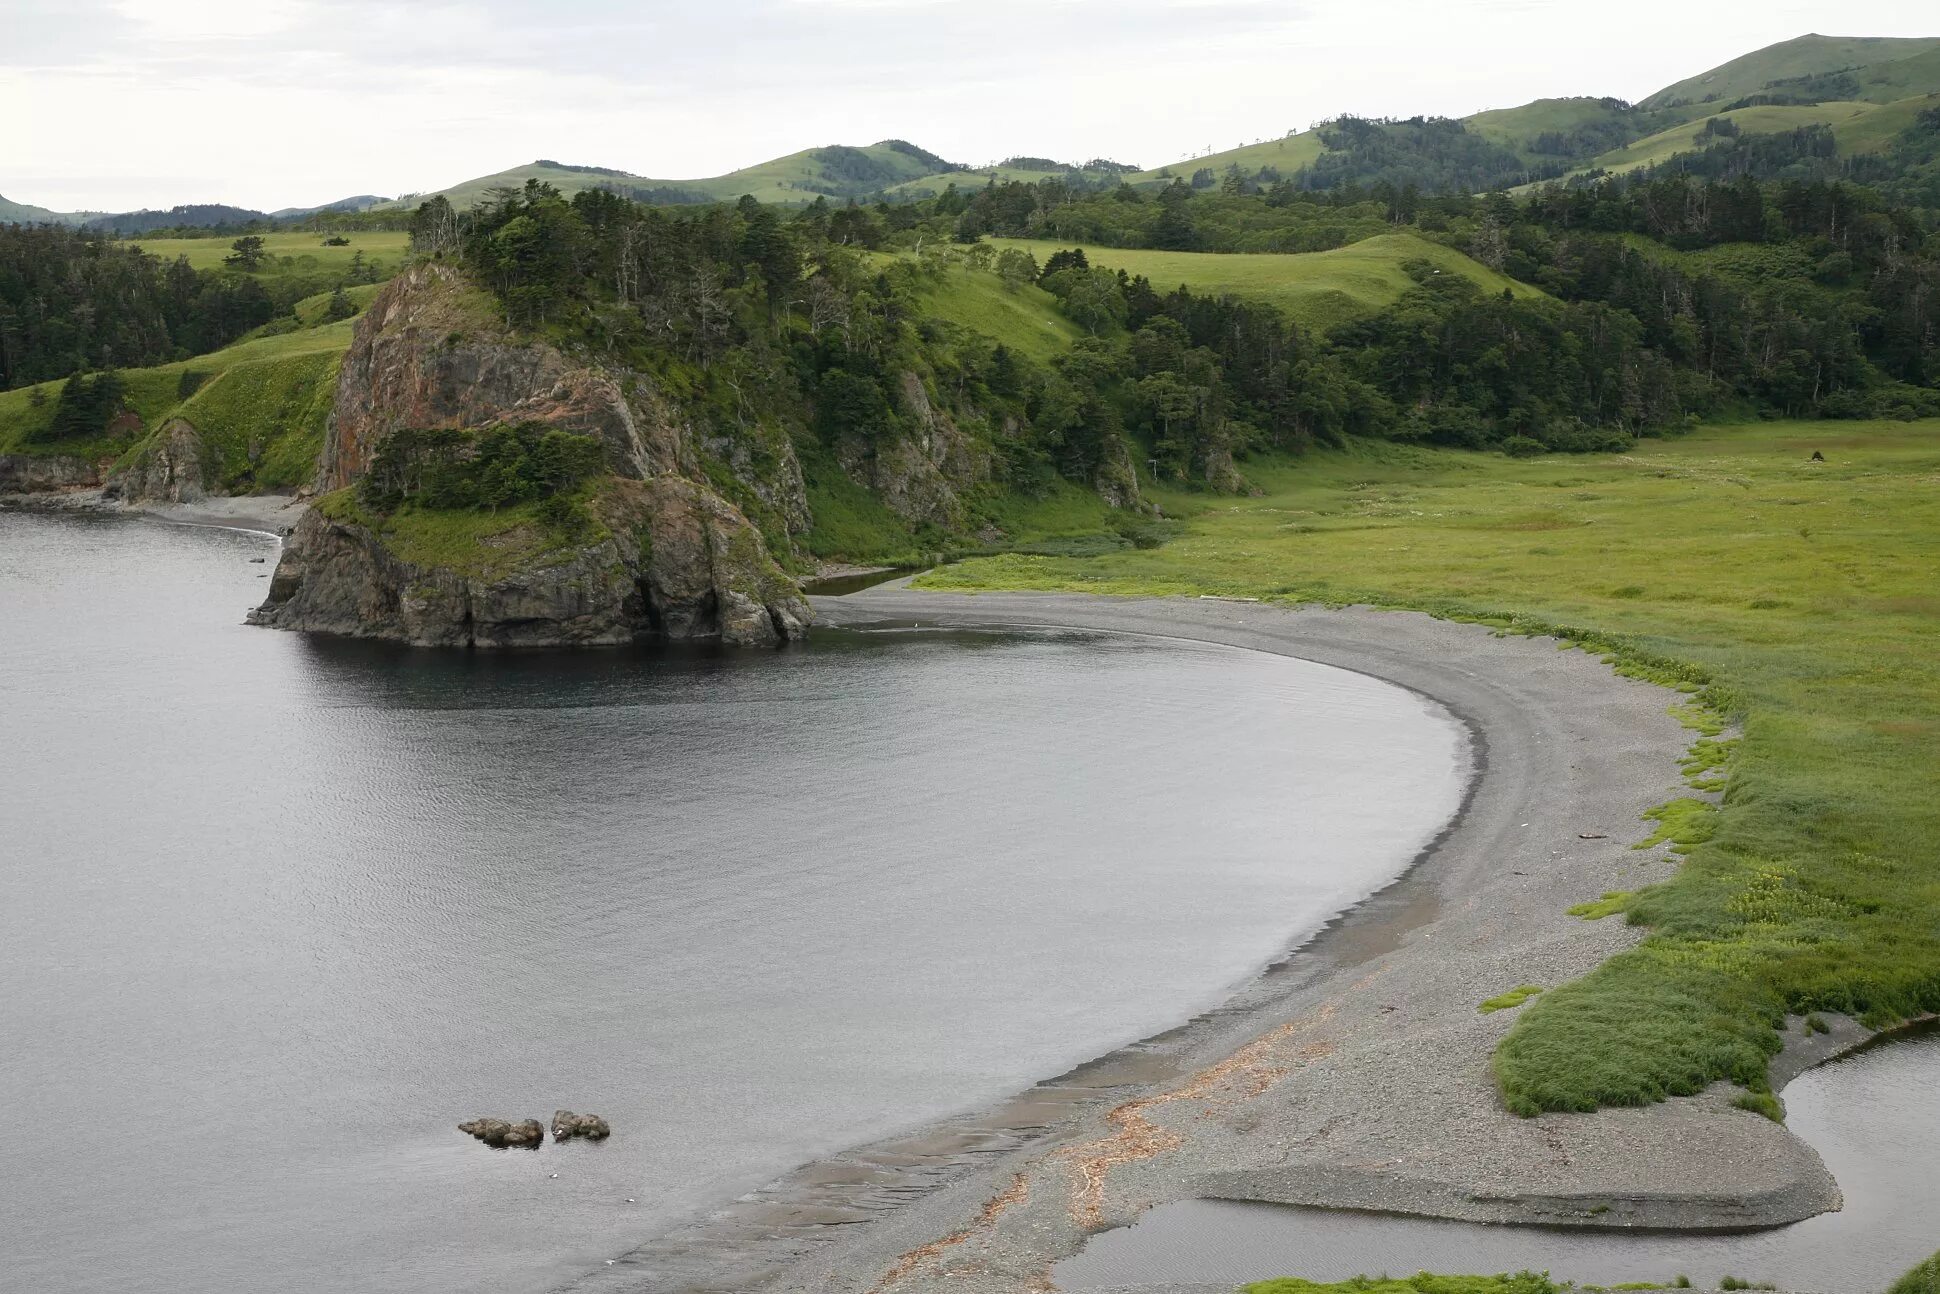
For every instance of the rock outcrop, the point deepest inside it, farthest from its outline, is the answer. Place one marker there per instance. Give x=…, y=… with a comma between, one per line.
x=675, y=561
x=501, y=1135
x=666, y=556
x=566, y=1125
x=168, y=469
x=923, y=475
x=40, y=473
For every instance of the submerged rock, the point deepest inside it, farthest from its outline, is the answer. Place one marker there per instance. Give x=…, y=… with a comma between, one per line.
x=566, y=1125
x=501, y=1135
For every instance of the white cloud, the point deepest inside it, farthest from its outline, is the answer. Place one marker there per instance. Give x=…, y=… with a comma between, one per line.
x=273, y=103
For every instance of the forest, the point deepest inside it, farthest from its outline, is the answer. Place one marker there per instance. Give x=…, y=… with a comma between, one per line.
x=1823, y=306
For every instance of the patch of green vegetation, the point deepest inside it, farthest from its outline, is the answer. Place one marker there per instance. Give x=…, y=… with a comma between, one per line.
x=1924, y=1279
x=1513, y=998
x=485, y=545
x=264, y=428
x=1027, y=320
x=1423, y=1283
x=1685, y=823
x=1613, y=902
x=289, y=253
x=1818, y=887
x=1763, y=1103
x=312, y=311
x=1316, y=289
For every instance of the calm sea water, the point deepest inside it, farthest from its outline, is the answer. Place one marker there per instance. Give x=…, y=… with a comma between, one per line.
x=1872, y=1117
x=279, y=912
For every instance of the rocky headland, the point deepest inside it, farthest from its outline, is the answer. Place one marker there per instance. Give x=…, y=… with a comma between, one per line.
x=661, y=553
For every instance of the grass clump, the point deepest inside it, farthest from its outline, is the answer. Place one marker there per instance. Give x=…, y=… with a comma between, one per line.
x=1421, y=1283
x=1924, y=1279
x=1814, y=885
x=1758, y=1103
x=1513, y=998
x=1612, y=902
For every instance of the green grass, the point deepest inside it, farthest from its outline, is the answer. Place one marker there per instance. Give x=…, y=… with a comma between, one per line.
x=1425, y=1283
x=259, y=407
x=1287, y=154
x=306, y=251
x=1316, y=289
x=1027, y=320
x=928, y=186
x=1801, y=599
x=1924, y=1279
x=1803, y=56
x=1873, y=131
x=1513, y=998
x=486, y=545
x=1765, y=119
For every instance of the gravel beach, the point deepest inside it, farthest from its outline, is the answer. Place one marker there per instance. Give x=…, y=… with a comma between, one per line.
x=1353, y=1074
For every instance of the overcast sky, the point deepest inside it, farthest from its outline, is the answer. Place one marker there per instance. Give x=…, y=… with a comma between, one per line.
x=116, y=104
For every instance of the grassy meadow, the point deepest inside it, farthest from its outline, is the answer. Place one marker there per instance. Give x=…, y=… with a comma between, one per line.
x=1799, y=599
x=287, y=252
x=259, y=407
x=1316, y=289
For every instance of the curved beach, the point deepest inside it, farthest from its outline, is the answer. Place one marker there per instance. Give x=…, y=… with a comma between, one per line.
x=1353, y=1074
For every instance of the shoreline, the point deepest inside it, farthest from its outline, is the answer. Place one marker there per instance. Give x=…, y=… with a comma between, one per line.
x=1350, y=1074
x=266, y=514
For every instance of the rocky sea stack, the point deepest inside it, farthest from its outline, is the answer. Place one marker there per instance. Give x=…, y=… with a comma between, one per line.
x=646, y=548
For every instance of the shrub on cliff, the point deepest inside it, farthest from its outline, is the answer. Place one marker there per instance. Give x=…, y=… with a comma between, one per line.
x=448, y=468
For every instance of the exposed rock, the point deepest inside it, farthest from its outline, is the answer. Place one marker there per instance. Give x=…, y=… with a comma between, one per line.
x=501, y=1135
x=923, y=475
x=1116, y=480
x=668, y=557
x=168, y=469
x=35, y=473
x=567, y=1125
x=675, y=561
x=431, y=352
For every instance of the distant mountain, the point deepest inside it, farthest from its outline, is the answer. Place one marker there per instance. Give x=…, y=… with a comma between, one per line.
x=195, y=215
x=1792, y=60
x=1864, y=90
x=20, y=213
x=838, y=171
x=362, y=202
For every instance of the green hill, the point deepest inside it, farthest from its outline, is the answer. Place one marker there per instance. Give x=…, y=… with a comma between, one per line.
x=1316, y=289
x=21, y=213
x=1805, y=56
x=838, y=171
x=258, y=406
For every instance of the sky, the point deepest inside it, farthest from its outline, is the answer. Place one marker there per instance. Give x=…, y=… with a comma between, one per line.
x=118, y=104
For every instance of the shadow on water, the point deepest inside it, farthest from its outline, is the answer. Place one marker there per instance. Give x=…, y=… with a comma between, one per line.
x=1870, y=1116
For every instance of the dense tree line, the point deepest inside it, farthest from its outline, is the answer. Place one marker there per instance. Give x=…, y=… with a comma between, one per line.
x=1819, y=302
x=72, y=302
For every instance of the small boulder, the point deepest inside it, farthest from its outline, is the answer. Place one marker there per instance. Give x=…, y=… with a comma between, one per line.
x=499, y=1134
x=566, y=1125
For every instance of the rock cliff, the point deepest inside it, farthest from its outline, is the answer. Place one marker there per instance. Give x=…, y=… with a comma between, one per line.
x=168, y=469
x=664, y=555
x=37, y=473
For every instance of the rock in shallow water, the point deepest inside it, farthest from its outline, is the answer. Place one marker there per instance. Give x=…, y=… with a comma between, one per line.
x=500, y=1134
x=566, y=1124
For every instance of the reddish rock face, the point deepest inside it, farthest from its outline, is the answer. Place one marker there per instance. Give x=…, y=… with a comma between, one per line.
x=669, y=557
x=430, y=352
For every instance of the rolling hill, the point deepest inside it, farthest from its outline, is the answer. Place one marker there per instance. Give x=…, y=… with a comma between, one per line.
x=21, y=213
x=838, y=171
x=1318, y=290
x=1806, y=56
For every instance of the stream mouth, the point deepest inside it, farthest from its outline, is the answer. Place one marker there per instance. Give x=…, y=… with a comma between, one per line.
x=1870, y=1115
